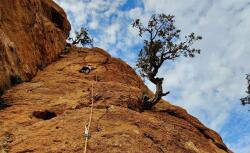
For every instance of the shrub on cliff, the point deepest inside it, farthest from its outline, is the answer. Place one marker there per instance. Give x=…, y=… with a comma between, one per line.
x=161, y=43
x=246, y=100
x=82, y=37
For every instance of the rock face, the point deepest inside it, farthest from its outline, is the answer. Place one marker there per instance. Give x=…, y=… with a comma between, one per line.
x=53, y=109
x=32, y=34
x=48, y=114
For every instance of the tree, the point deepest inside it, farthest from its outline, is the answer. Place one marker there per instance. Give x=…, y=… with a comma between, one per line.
x=161, y=43
x=246, y=100
x=82, y=37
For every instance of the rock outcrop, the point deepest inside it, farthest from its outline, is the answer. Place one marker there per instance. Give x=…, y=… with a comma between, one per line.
x=32, y=34
x=53, y=109
x=48, y=112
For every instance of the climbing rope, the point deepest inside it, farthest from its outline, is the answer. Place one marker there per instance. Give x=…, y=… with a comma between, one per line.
x=87, y=127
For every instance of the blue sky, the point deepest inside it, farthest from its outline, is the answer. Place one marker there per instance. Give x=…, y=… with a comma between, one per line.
x=208, y=86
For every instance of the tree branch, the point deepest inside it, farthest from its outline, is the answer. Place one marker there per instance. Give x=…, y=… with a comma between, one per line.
x=166, y=93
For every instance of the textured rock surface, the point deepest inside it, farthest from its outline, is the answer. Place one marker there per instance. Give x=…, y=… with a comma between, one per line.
x=32, y=34
x=54, y=107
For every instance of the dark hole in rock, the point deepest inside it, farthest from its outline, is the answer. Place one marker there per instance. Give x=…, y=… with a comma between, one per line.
x=3, y=104
x=45, y=115
x=15, y=79
x=41, y=66
x=1, y=92
x=57, y=18
x=53, y=15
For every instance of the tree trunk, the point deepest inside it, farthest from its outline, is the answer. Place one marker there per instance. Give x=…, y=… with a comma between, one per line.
x=148, y=103
x=76, y=41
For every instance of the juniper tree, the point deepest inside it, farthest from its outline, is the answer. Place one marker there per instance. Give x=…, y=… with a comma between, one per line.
x=161, y=43
x=82, y=37
x=246, y=100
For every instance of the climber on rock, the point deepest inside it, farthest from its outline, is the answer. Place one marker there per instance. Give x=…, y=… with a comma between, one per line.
x=86, y=69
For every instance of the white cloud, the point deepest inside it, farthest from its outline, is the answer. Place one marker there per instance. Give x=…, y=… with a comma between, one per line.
x=242, y=146
x=94, y=24
x=135, y=13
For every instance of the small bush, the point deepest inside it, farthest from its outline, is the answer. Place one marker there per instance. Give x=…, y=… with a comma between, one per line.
x=82, y=37
x=15, y=79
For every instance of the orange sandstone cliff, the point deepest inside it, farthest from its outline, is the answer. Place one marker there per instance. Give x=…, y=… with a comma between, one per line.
x=32, y=35
x=49, y=111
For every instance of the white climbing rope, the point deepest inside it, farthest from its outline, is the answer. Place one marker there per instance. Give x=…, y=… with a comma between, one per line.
x=87, y=127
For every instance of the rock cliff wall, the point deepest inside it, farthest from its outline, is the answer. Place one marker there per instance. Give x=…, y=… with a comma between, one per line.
x=32, y=35
x=53, y=109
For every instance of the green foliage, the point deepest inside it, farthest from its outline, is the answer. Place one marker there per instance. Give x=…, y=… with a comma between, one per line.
x=246, y=100
x=161, y=43
x=82, y=37
x=15, y=79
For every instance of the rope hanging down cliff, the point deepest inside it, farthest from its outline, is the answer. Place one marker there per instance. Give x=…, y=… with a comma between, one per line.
x=87, y=127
